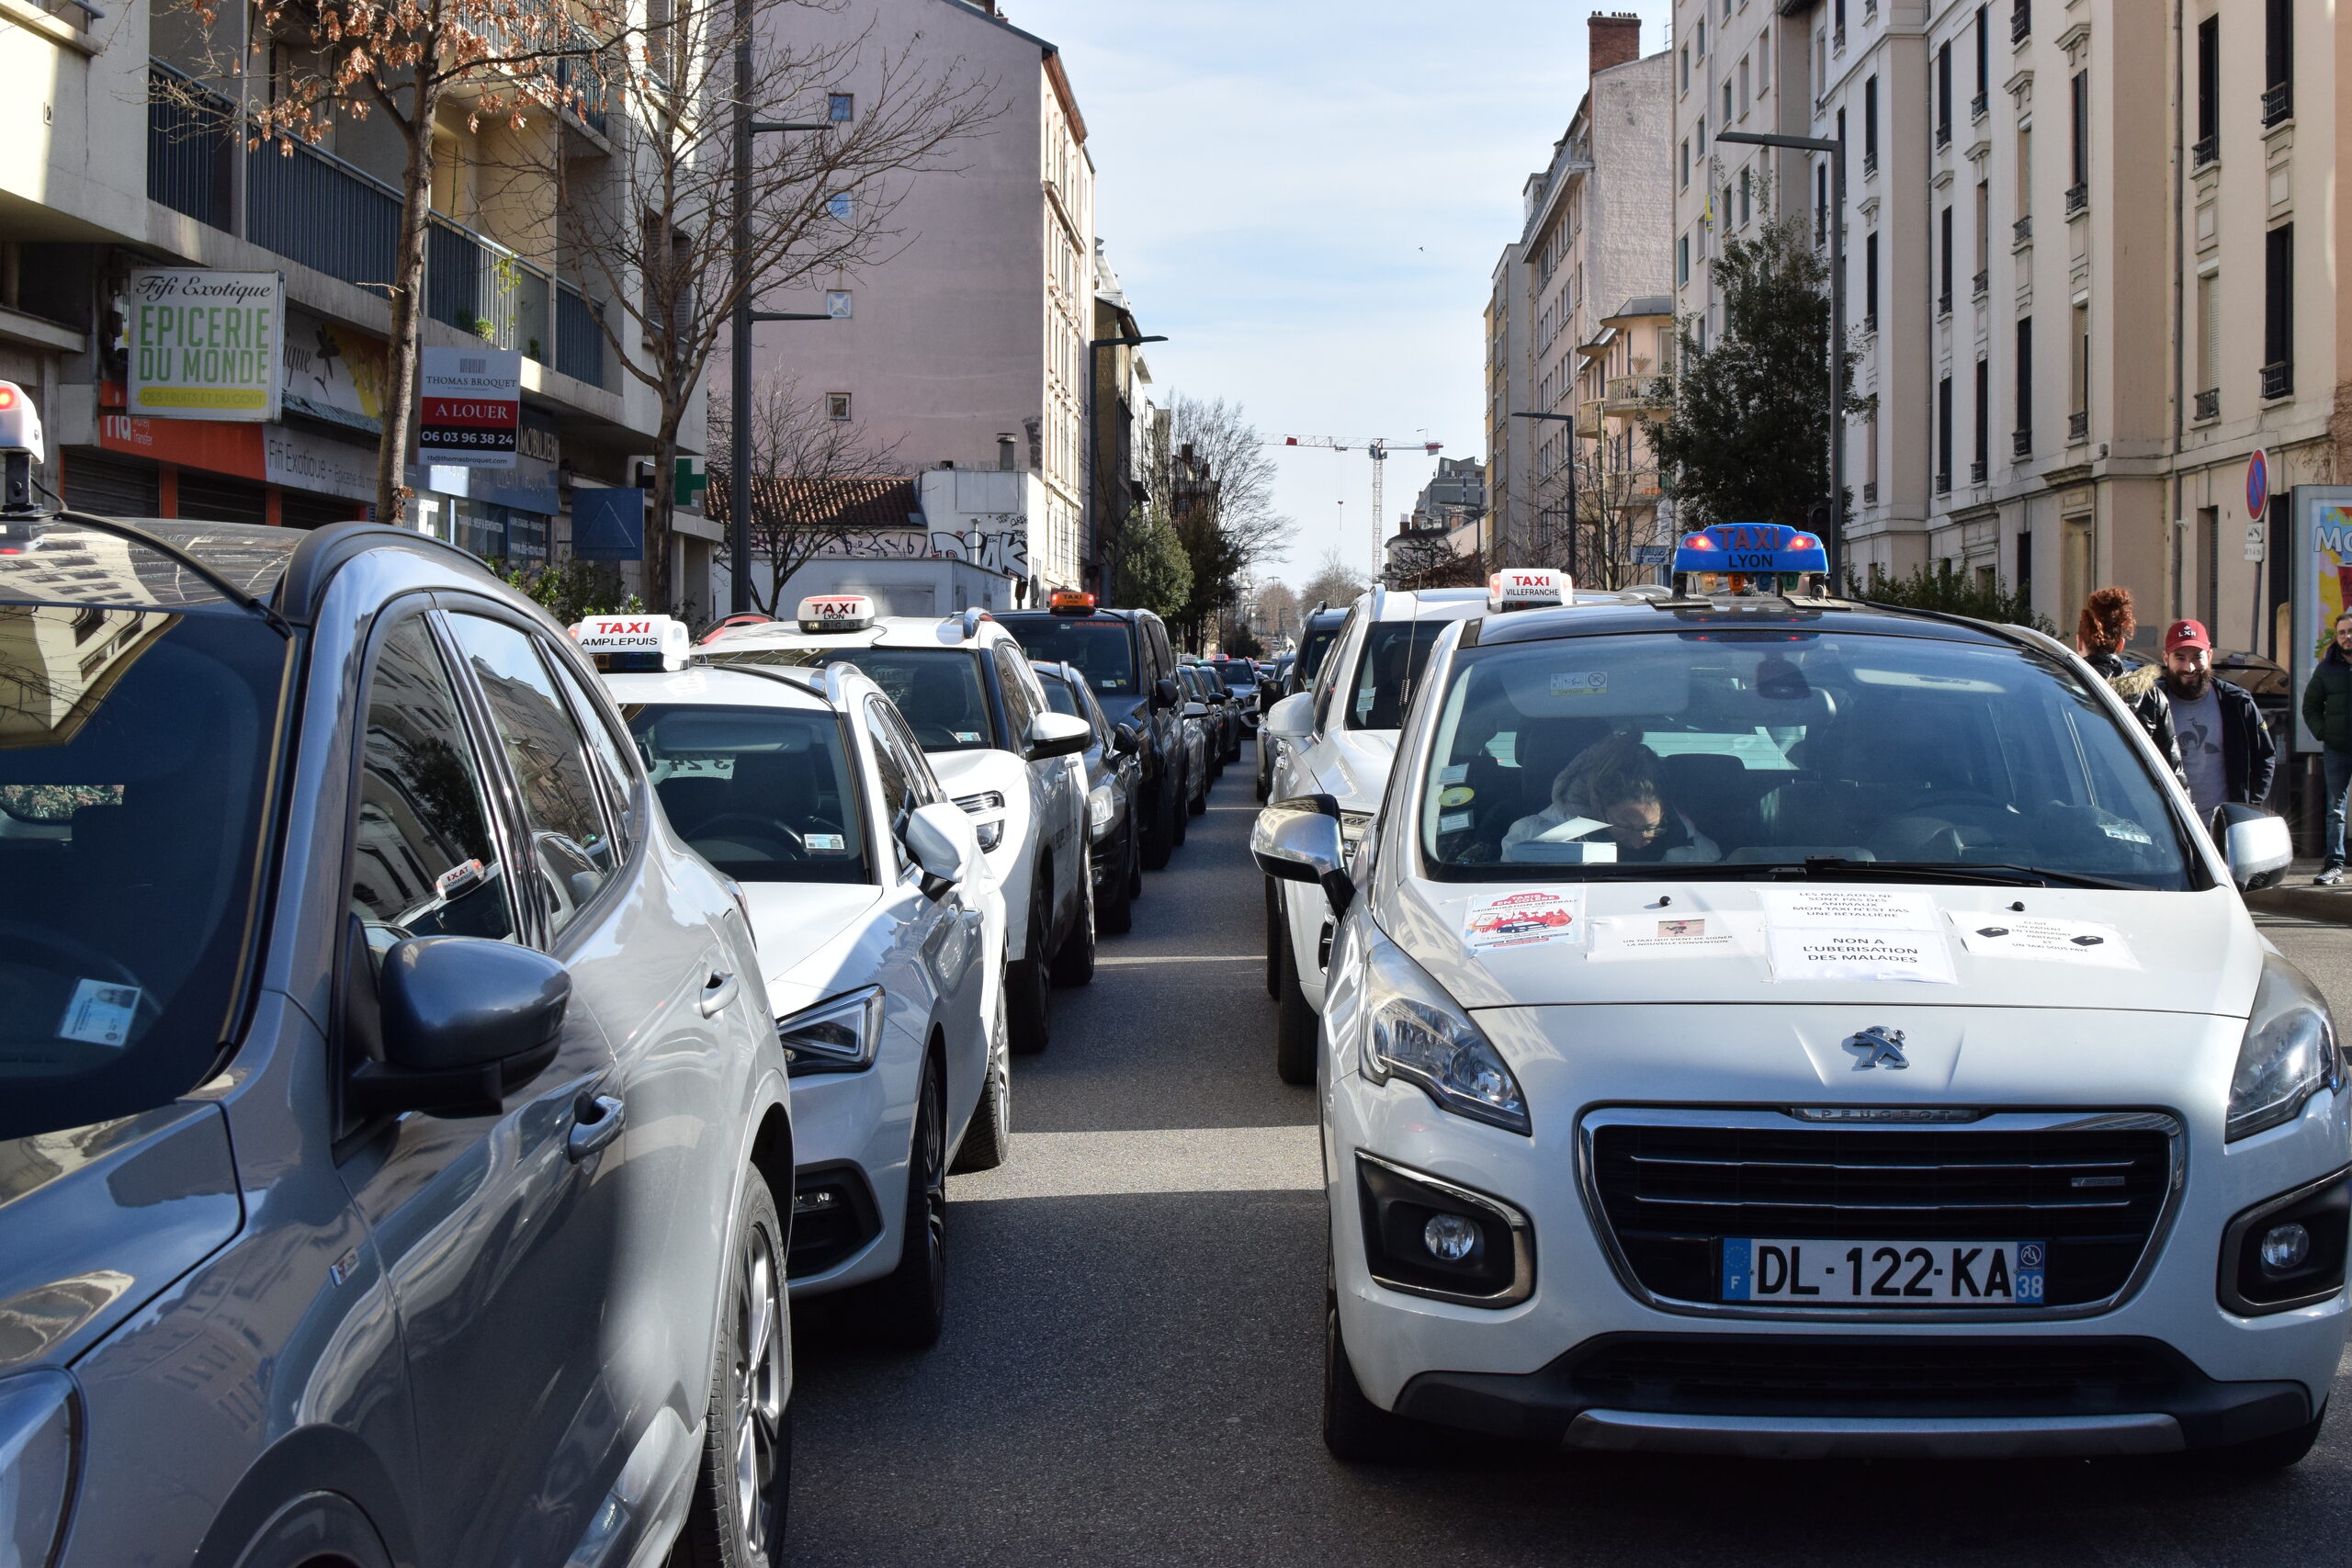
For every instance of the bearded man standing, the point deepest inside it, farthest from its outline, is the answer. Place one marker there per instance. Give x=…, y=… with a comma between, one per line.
x=2225, y=749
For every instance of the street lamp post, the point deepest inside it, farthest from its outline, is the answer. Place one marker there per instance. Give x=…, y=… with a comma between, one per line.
x=1836, y=147
x=1570, y=421
x=1090, y=521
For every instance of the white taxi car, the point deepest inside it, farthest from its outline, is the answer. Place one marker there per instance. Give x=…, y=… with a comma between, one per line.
x=1337, y=739
x=880, y=932
x=963, y=685
x=1774, y=1025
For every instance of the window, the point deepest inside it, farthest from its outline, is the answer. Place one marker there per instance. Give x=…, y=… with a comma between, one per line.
x=2079, y=106
x=2208, y=89
x=1702, y=137
x=2209, y=341
x=1870, y=283
x=1984, y=235
x=1943, y=435
x=2081, y=370
x=837, y=405
x=1686, y=67
x=764, y=794
x=2025, y=567
x=1943, y=93
x=1943, y=258
x=605, y=756
x=1682, y=260
x=1981, y=450
x=2278, y=61
x=2279, y=311
x=842, y=206
x=1727, y=100
x=1743, y=86
x=1983, y=57
x=1702, y=38
x=893, y=775
x=841, y=107
x=2024, y=392
x=1746, y=194
x=1870, y=124
x=1764, y=61
x=572, y=851
x=1821, y=203
x=1024, y=698
x=1686, y=163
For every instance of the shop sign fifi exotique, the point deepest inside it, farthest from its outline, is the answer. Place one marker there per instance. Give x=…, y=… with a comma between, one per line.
x=205, y=344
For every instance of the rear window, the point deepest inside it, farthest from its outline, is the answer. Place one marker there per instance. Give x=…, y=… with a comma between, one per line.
x=1102, y=650
x=1310, y=654
x=135, y=746
x=1394, y=654
x=937, y=690
x=763, y=794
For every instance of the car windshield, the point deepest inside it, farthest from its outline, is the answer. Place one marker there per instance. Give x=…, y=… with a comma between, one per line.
x=763, y=794
x=1394, y=654
x=1596, y=756
x=1309, y=658
x=135, y=749
x=1236, y=676
x=1100, y=651
x=937, y=689
x=1058, y=696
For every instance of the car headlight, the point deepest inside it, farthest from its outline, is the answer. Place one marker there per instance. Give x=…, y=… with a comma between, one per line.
x=1418, y=1034
x=1354, y=825
x=2289, y=1054
x=1101, y=805
x=838, y=1034
x=36, y=1464
x=987, y=810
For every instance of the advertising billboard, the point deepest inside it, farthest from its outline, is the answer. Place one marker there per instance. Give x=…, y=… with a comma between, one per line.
x=205, y=344
x=2321, y=581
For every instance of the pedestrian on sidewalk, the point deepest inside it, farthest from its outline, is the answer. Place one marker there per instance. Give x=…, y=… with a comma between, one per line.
x=2101, y=632
x=2327, y=714
x=2225, y=745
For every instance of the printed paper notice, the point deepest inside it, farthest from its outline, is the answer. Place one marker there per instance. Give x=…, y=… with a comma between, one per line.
x=1848, y=908
x=1686, y=937
x=1523, y=920
x=100, y=1013
x=1861, y=954
x=2043, y=941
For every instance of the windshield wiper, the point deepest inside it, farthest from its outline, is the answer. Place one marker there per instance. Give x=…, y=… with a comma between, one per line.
x=1995, y=873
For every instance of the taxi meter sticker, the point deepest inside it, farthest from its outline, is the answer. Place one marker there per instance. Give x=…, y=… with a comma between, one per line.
x=1580, y=682
x=2005, y=935
x=1522, y=919
x=99, y=1013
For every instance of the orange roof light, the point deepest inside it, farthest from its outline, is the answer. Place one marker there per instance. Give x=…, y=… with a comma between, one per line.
x=1070, y=601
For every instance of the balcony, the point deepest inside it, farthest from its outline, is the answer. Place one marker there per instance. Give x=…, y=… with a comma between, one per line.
x=2207, y=150
x=1981, y=285
x=1870, y=492
x=1943, y=135
x=1943, y=303
x=2077, y=198
x=2079, y=427
x=2020, y=445
x=2278, y=103
x=191, y=142
x=1976, y=472
x=1943, y=484
x=1869, y=163
x=1838, y=41
x=2021, y=232
x=2277, y=381
x=1630, y=395
x=2020, y=20
x=1979, y=106
x=2209, y=404
x=1870, y=324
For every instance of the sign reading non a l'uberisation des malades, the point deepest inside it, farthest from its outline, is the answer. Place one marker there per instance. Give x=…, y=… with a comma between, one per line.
x=205, y=344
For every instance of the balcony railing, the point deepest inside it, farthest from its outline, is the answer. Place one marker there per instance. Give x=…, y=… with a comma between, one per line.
x=1976, y=472
x=2208, y=403
x=2278, y=103
x=191, y=145
x=1869, y=163
x=2020, y=445
x=1943, y=135
x=1979, y=107
x=2021, y=232
x=480, y=286
x=1943, y=303
x=2020, y=20
x=2077, y=198
x=1943, y=484
x=2078, y=426
x=1870, y=492
x=1981, y=285
x=584, y=73
x=2207, y=148
x=313, y=207
x=579, y=335
x=2278, y=379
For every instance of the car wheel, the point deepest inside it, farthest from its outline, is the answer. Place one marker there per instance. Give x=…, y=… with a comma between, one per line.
x=1265, y=778
x=1181, y=813
x=2276, y=1452
x=1297, y=1027
x=1074, y=962
x=1115, y=912
x=1274, y=936
x=1160, y=834
x=1354, y=1429
x=988, y=1140
x=1135, y=857
x=743, y=1485
x=1199, y=803
x=907, y=1307
x=1028, y=986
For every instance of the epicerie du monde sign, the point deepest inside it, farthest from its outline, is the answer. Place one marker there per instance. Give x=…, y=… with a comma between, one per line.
x=206, y=345
x=472, y=412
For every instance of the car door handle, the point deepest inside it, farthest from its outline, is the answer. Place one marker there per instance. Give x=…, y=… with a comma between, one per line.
x=718, y=993
x=590, y=1133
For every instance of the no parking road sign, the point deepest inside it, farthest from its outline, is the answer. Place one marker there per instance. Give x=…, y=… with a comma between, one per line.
x=2257, y=486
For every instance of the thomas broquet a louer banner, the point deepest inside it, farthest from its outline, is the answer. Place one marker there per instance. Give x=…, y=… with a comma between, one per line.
x=206, y=345
x=472, y=407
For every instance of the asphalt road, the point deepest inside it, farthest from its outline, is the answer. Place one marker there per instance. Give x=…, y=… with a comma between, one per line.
x=1131, y=1369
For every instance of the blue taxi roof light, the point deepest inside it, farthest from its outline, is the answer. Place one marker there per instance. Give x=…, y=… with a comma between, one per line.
x=1761, y=548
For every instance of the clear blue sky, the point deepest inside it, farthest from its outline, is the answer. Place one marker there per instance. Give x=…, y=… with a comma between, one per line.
x=1308, y=196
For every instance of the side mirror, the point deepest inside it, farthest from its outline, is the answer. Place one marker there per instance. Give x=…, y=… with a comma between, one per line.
x=1124, y=740
x=1298, y=839
x=1163, y=693
x=945, y=845
x=1197, y=710
x=2255, y=843
x=1057, y=735
x=1292, y=718
x=463, y=1019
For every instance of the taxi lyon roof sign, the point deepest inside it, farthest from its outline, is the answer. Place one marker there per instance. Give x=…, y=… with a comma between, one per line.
x=1751, y=547
x=205, y=344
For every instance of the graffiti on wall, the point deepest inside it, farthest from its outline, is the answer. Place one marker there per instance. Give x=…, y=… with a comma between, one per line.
x=998, y=543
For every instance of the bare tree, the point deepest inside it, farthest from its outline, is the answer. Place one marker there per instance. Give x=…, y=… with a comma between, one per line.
x=1335, y=583
x=815, y=480
x=1232, y=451
x=659, y=243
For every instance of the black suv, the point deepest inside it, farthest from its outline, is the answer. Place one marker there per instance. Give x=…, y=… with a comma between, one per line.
x=1130, y=666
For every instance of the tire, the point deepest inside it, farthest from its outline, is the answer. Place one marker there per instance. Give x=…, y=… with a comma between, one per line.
x=1074, y=960
x=1355, y=1430
x=2277, y=1452
x=1160, y=839
x=1199, y=803
x=1116, y=914
x=988, y=1139
x=1135, y=858
x=1274, y=936
x=1028, y=988
x=906, y=1308
x=1297, y=1027
x=1182, y=812
x=749, y=1430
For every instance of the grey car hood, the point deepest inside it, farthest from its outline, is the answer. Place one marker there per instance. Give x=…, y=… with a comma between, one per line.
x=96, y=1220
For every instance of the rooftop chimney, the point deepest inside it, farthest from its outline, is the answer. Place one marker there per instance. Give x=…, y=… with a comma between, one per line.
x=1613, y=39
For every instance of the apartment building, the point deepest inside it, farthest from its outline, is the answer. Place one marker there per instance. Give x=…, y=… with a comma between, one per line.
x=966, y=346
x=1597, y=232
x=1120, y=480
x=119, y=152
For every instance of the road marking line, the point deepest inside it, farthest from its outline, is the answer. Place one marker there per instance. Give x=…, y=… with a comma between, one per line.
x=1187, y=958
x=1188, y=1159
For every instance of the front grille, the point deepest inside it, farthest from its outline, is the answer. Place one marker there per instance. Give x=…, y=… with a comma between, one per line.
x=1671, y=1194
x=1721, y=1372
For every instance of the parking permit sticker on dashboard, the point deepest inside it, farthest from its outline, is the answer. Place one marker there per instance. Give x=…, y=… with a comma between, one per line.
x=1522, y=919
x=100, y=1013
x=825, y=844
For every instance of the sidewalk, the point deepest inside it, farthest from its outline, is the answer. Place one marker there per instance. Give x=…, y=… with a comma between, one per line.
x=2296, y=896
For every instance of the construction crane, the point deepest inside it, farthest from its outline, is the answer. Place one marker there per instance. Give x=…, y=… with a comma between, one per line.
x=1378, y=447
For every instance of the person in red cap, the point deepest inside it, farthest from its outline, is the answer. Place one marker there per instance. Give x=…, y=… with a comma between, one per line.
x=2225, y=749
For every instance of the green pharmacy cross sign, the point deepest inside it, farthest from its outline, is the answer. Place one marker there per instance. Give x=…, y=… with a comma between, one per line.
x=690, y=482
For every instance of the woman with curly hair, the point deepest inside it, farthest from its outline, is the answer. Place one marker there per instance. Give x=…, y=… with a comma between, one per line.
x=2104, y=627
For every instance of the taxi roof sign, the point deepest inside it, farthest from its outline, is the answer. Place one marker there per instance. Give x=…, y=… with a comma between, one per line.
x=824, y=613
x=1527, y=588
x=625, y=643
x=1758, y=549
x=1070, y=601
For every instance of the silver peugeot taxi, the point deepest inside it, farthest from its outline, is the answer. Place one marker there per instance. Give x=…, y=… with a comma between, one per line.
x=1767, y=1024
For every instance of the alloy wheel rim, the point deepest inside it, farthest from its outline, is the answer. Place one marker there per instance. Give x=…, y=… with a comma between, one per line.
x=759, y=1391
x=934, y=1184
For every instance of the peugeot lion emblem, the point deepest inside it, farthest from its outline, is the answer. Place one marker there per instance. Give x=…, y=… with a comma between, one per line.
x=1883, y=1048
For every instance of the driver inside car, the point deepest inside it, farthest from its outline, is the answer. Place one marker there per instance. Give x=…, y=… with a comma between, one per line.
x=1610, y=792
